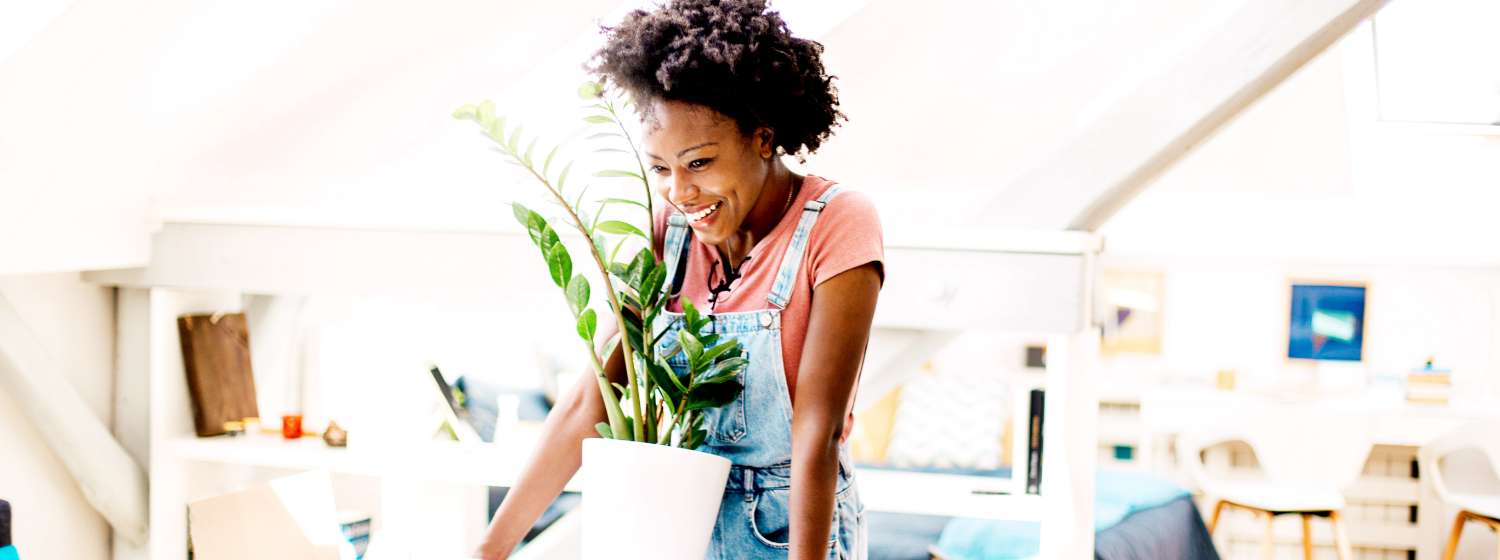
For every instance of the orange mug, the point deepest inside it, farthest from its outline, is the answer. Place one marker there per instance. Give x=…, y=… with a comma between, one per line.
x=291, y=426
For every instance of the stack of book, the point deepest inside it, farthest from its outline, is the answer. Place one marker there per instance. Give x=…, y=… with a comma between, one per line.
x=1428, y=386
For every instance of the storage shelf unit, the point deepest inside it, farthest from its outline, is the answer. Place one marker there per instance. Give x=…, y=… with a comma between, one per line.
x=1035, y=282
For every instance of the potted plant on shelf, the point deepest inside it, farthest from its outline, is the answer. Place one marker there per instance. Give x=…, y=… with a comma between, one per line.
x=647, y=492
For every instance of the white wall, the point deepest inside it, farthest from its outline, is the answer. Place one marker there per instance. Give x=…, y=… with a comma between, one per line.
x=1233, y=313
x=75, y=323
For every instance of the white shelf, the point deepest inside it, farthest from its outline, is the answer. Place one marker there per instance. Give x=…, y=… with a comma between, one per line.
x=946, y=495
x=275, y=254
x=497, y=464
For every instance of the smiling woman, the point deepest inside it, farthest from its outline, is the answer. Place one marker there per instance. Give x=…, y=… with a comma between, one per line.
x=788, y=265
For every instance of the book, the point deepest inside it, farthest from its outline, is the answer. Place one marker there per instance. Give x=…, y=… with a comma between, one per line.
x=216, y=357
x=1034, y=442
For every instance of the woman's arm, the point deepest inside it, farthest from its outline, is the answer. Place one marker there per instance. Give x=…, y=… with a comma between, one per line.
x=842, y=309
x=558, y=455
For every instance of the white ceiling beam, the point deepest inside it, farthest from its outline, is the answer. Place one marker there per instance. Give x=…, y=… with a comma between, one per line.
x=1151, y=127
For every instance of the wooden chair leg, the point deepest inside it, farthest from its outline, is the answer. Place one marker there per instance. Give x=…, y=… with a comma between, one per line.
x=1307, y=536
x=1340, y=539
x=1458, y=528
x=1213, y=520
x=1268, y=546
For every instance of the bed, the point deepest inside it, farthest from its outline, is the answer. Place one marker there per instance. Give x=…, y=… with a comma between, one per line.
x=1137, y=517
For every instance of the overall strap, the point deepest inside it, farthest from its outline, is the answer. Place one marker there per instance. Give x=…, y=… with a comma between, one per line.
x=674, y=253
x=781, y=291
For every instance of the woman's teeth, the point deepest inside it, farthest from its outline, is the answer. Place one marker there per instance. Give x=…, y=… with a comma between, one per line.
x=704, y=213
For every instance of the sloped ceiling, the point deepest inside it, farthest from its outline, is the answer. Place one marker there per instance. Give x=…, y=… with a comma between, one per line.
x=340, y=107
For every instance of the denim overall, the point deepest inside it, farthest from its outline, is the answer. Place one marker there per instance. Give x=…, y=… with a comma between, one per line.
x=755, y=431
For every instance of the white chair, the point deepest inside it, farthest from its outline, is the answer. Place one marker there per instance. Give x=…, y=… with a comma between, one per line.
x=1482, y=508
x=1307, y=455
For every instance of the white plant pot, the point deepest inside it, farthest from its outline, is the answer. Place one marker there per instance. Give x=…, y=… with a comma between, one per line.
x=645, y=501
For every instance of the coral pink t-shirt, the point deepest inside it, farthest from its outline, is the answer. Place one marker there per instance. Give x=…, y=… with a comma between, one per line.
x=846, y=236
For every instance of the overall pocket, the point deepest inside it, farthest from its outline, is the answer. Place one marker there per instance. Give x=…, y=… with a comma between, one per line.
x=770, y=513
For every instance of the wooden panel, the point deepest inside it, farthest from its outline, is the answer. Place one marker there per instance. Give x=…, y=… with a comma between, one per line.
x=216, y=353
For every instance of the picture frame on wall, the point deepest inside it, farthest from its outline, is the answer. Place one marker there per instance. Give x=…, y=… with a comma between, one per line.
x=1129, y=308
x=1326, y=321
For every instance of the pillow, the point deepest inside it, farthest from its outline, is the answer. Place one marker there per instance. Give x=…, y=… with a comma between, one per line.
x=950, y=418
x=871, y=437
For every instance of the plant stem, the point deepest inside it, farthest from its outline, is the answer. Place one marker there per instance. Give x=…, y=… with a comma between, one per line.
x=626, y=345
x=646, y=327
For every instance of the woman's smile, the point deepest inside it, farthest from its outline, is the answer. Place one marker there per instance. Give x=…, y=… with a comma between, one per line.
x=705, y=217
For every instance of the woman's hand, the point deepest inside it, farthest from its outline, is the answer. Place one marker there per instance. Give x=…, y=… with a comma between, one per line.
x=490, y=551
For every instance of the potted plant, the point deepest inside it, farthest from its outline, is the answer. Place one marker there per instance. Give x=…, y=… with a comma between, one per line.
x=647, y=492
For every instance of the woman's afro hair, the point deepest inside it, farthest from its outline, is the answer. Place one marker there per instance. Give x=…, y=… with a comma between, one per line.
x=732, y=56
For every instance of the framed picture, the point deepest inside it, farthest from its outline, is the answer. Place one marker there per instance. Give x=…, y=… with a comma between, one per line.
x=1327, y=321
x=1129, y=308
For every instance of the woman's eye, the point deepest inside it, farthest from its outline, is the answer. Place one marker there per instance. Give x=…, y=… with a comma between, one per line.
x=698, y=163
x=657, y=169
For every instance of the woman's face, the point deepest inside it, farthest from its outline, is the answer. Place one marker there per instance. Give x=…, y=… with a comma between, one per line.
x=702, y=164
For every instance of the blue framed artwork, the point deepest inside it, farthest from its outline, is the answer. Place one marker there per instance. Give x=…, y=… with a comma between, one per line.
x=1327, y=322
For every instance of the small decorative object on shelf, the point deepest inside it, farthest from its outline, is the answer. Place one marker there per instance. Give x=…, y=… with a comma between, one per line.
x=251, y=425
x=1224, y=380
x=335, y=436
x=234, y=428
x=1429, y=385
x=291, y=426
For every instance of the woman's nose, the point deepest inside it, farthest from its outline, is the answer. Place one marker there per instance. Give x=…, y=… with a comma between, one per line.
x=679, y=189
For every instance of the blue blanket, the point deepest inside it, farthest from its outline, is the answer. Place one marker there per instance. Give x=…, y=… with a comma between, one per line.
x=1116, y=496
x=8, y=553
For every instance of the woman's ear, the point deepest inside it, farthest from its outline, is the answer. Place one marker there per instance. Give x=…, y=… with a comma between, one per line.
x=764, y=145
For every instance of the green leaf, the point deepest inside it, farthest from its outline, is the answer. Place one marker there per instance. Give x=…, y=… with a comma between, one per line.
x=695, y=438
x=690, y=344
x=632, y=323
x=515, y=136
x=603, y=135
x=619, y=173
x=729, y=349
x=640, y=266
x=562, y=179
x=468, y=111
x=529, y=148
x=651, y=287
x=621, y=388
x=620, y=228
x=578, y=293
x=617, y=269
x=495, y=129
x=636, y=203
x=713, y=395
x=587, y=322
x=590, y=91
x=725, y=370
x=598, y=119
x=603, y=429
x=666, y=380
x=546, y=238
x=486, y=112
x=559, y=264
x=612, y=151
x=547, y=163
